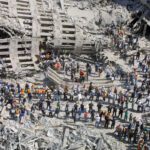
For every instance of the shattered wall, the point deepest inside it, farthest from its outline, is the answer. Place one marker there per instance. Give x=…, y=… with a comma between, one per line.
x=69, y=25
x=140, y=22
x=24, y=23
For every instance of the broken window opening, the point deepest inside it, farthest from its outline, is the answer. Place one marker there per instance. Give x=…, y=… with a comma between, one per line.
x=4, y=34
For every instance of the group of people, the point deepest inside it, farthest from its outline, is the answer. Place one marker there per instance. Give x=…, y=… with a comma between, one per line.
x=103, y=106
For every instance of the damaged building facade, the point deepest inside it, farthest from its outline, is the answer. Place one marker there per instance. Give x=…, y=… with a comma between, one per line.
x=141, y=20
x=26, y=23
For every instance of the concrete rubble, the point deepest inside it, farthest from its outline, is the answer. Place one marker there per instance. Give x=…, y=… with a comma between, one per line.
x=50, y=134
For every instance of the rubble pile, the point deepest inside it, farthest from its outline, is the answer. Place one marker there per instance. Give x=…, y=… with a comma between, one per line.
x=50, y=134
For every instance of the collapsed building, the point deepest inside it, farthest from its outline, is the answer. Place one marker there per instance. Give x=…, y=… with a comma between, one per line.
x=141, y=20
x=26, y=23
x=70, y=26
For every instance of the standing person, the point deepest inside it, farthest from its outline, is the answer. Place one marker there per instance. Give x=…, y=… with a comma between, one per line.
x=72, y=96
x=104, y=95
x=126, y=115
x=92, y=114
x=127, y=102
x=97, y=122
x=72, y=76
x=138, y=55
x=145, y=137
x=101, y=113
x=79, y=113
x=63, y=64
x=130, y=135
x=82, y=107
x=146, y=147
x=133, y=60
x=40, y=105
x=48, y=104
x=97, y=94
x=48, y=94
x=57, y=111
x=26, y=87
x=109, y=108
x=133, y=104
x=72, y=112
x=91, y=96
x=140, y=144
x=99, y=106
x=132, y=96
x=67, y=108
x=124, y=132
x=106, y=121
x=17, y=112
x=90, y=69
x=29, y=95
x=90, y=87
x=141, y=127
x=115, y=91
x=75, y=116
x=76, y=107
x=66, y=69
x=113, y=123
x=86, y=116
x=100, y=71
x=79, y=96
x=58, y=105
x=135, y=137
x=96, y=67
x=65, y=95
x=139, y=96
x=130, y=117
x=114, y=111
x=21, y=115
x=120, y=112
x=18, y=88
x=78, y=67
x=148, y=100
x=51, y=112
x=90, y=107
x=87, y=75
x=81, y=76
